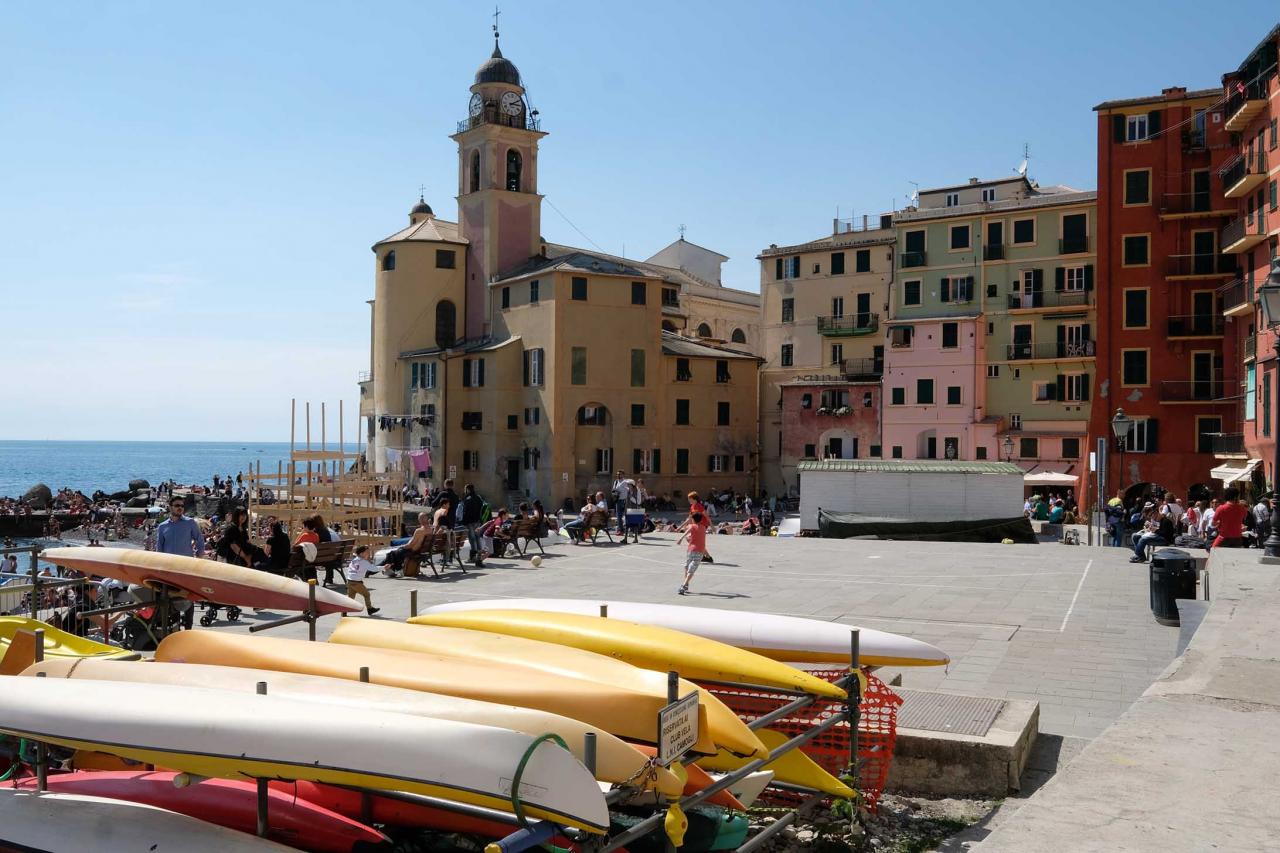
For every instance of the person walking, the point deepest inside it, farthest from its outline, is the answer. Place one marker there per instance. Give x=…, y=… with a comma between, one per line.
x=470, y=513
x=624, y=490
x=180, y=535
x=357, y=570
x=697, y=535
x=1262, y=519
x=698, y=508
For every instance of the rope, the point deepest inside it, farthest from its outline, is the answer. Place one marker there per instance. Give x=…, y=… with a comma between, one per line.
x=516, y=805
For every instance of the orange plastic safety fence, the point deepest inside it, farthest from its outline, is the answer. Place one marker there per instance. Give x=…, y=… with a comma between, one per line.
x=877, y=732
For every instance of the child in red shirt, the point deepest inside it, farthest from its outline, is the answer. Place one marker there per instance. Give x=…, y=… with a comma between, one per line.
x=697, y=534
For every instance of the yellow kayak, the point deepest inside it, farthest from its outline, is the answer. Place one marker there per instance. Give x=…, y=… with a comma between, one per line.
x=57, y=643
x=482, y=648
x=794, y=768
x=618, y=710
x=645, y=646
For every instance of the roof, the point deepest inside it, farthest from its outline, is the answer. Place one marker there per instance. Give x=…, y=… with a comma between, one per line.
x=673, y=344
x=1189, y=95
x=465, y=345
x=430, y=230
x=842, y=240
x=694, y=245
x=1045, y=197
x=912, y=466
x=1267, y=39
x=497, y=68
x=1009, y=180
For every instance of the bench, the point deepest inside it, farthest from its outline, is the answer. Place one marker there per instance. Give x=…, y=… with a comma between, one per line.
x=528, y=530
x=598, y=521
x=329, y=555
x=444, y=543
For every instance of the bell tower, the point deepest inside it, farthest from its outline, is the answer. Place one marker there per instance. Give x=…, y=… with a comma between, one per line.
x=499, y=208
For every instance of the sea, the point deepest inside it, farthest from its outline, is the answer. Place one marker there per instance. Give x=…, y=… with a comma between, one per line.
x=110, y=465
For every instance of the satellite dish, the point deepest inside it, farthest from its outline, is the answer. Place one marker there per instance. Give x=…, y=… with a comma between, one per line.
x=1022, y=168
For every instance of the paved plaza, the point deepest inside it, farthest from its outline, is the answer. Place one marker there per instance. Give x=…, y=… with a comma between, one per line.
x=1067, y=626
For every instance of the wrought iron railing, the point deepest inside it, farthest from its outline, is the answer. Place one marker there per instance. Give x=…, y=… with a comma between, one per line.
x=1193, y=140
x=1225, y=443
x=849, y=324
x=856, y=367
x=1234, y=294
x=493, y=115
x=1201, y=202
x=1242, y=227
x=1050, y=299
x=993, y=252
x=1195, y=325
x=1073, y=245
x=1190, y=390
x=912, y=259
x=1052, y=349
x=1255, y=90
x=1202, y=264
x=1251, y=346
x=1242, y=166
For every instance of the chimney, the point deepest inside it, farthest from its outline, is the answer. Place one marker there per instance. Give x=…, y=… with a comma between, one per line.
x=1173, y=93
x=864, y=222
x=972, y=181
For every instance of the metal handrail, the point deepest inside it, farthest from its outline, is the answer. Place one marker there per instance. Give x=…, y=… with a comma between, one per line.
x=1201, y=264
x=1195, y=325
x=1053, y=349
x=1050, y=299
x=913, y=259
x=1073, y=245
x=865, y=323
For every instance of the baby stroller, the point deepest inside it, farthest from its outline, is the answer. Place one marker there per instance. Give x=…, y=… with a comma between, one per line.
x=210, y=614
x=142, y=630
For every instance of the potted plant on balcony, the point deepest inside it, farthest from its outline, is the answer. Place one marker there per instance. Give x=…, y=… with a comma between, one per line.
x=843, y=412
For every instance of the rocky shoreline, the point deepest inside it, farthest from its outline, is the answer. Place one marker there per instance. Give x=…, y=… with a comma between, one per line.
x=30, y=516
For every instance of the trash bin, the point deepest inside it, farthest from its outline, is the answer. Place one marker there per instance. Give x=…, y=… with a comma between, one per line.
x=1173, y=576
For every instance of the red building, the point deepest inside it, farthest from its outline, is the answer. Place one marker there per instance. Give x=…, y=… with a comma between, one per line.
x=1164, y=352
x=1249, y=173
x=831, y=417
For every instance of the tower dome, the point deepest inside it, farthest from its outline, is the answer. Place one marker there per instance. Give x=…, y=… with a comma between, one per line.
x=421, y=208
x=498, y=69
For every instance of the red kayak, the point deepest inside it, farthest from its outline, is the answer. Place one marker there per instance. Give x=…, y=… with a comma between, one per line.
x=231, y=803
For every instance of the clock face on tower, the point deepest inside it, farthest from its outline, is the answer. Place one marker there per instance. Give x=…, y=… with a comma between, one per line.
x=477, y=104
x=511, y=104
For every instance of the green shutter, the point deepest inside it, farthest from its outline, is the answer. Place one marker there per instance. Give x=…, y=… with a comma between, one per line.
x=1088, y=276
x=657, y=461
x=1117, y=129
x=1059, y=278
x=777, y=268
x=1153, y=123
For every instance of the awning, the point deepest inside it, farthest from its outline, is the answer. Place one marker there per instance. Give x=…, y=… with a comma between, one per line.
x=1050, y=478
x=1234, y=471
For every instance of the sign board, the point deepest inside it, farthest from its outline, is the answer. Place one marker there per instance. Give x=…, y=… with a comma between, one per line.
x=677, y=729
x=564, y=476
x=453, y=472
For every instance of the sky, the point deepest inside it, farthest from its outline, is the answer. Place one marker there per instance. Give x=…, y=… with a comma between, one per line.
x=189, y=191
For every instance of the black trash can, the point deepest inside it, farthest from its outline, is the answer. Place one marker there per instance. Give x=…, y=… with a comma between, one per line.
x=1173, y=576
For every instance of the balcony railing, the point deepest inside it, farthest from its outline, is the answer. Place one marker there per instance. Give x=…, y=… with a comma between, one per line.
x=1226, y=443
x=850, y=324
x=855, y=368
x=1193, y=140
x=1189, y=390
x=1243, y=233
x=1243, y=172
x=1234, y=294
x=1251, y=347
x=1190, y=266
x=912, y=259
x=1073, y=245
x=1196, y=326
x=491, y=114
x=1050, y=299
x=993, y=252
x=1189, y=203
x=1028, y=352
x=1247, y=101
x=364, y=376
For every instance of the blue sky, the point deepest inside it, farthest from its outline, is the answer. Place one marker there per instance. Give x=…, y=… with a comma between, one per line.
x=188, y=192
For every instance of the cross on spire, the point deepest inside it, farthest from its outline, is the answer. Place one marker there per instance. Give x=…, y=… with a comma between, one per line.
x=681, y=230
x=422, y=192
x=496, y=13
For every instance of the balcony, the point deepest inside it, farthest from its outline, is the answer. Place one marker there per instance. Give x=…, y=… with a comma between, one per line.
x=1050, y=299
x=1191, y=206
x=1237, y=298
x=907, y=260
x=1226, y=443
x=1250, y=347
x=491, y=114
x=993, y=252
x=1196, y=326
x=1193, y=141
x=863, y=368
x=1192, y=390
x=1048, y=351
x=1073, y=245
x=1243, y=233
x=1244, y=104
x=847, y=326
x=1243, y=173
x=1200, y=266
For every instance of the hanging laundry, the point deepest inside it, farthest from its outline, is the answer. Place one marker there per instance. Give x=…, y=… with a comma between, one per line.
x=421, y=460
x=393, y=457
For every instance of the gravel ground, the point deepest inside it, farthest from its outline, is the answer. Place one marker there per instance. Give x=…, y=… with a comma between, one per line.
x=902, y=825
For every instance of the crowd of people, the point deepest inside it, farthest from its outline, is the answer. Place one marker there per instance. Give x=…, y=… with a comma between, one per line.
x=1228, y=522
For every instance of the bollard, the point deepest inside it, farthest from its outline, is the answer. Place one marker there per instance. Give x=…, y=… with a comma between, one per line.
x=413, y=602
x=589, y=752
x=39, y=632
x=604, y=611
x=311, y=610
x=262, y=783
x=364, y=675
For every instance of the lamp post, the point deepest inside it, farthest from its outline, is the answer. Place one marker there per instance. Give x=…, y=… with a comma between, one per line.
x=1121, y=424
x=1269, y=296
x=1008, y=448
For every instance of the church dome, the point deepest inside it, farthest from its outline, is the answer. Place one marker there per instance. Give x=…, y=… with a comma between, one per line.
x=498, y=69
x=421, y=208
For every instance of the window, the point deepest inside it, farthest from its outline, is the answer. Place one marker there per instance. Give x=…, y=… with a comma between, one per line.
x=911, y=293
x=960, y=236
x=1070, y=448
x=446, y=324
x=514, y=165
x=716, y=463
x=897, y=451
x=637, y=414
x=817, y=268
x=389, y=261
x=506, y=297
x=1250, y=391
x=874, y=451
x=862, y=260
x=837, y=307
x=1136, y=128
x=446, y=259
x=739, y=463
x=704, y=331
x=1134, y=367
x=1075, y=387
x=637, y=368
x=835, y=398
x=787, y=267
x=953, y=395
x=980, y=452
x=682, y=412
x=1142, y=436
x=837, y=353
x=950, y=335
x=472, y=420
x=533, y=292
x=738, y=336
x=957, y=290
x=806, y=401
x=423, y=375
x=593, y=416
x=1015, y=421
x=682, y=460
x=604, y=460
x=533, y=416
x=1073, y=279
x=1272, y=144
x=837, y=263
x=578, y=366
x=638, y=293
x=1028, y=448
x=788, y=310
x=1272, y=191
x=475, y=171
x=897, y=396
x=534, y=374
x=1137, y=187
x=900, y=337
x=722, y=414
x=924, y=392
x=811, y=451
x=1265, y=416
x=722, y=370
x=473, y=373
x=1024, y=231
x=1135, y=308
x=989, y=194
x=579, y=289
x=785, y=356
x=867, y=399
x=1043, y=392
x=953, y=199
x=683, y=371
x=1135, y=250
x=670, y=297
x=642, y=461
x=471, y=460
x=513, y=421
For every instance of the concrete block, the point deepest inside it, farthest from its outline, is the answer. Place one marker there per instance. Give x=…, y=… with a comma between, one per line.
x=941, y=764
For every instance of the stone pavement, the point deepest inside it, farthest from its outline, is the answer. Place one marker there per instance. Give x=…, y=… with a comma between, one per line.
x=1066, y=626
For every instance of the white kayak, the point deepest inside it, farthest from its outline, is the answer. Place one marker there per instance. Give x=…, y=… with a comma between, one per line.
x=785, y=638
x=35, y=821
x=223, y=734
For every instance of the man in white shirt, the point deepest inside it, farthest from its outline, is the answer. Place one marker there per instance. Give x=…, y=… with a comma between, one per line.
x=623, y=491
x=357, y=570
x=1206, y=520
x=1174, y=510
x=1262, y=517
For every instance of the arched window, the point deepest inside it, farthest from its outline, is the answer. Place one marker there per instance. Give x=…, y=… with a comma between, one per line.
x=389, y=261
x=446, y=323
x=739, y=336
x=514, y=164
x=475, y=171
x=704, y=331
x=668, y=326
x=593, y=414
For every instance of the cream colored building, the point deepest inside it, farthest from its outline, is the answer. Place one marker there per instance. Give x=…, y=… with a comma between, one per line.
x=534, y=369
x=822, y=343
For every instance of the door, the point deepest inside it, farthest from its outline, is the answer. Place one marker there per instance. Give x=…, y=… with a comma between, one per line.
x=864, y=310
x=877, y=358
x=1203, y=245
x=1202, y=312
x=931, y=447
x=1202, y=376
x=1071, y=341
x=835, y=448
x=951, y=448
x=513, y=475
x=995, y=240
x=1033, y=288
x=1200, y=189
x=853, y=450
x=1021, y=347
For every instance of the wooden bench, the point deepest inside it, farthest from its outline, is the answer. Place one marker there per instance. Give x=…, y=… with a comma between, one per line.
x=599, y=521
x=329, y=555
x=528, y=530
x=443, y=543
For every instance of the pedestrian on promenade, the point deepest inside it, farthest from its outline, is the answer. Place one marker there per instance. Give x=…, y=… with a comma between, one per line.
x=470, y=513
x=1228, y=518
x=357, y=570
x=181, y=536
x=697, y=534
x=623, y=491
x=1262, y=519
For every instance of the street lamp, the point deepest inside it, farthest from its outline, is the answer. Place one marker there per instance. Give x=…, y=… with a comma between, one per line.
x=1121, y=425
x=1008, y=448
x=1269, y=296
